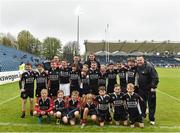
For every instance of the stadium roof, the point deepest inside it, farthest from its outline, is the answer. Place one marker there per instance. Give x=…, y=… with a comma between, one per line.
x=131, y=47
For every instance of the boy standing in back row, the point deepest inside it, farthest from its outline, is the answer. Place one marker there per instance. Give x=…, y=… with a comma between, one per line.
x=27, y=88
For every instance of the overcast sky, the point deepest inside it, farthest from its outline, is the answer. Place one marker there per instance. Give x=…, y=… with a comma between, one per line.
x=127, y=19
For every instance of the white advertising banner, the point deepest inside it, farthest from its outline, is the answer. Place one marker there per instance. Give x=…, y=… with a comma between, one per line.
x=9, y=77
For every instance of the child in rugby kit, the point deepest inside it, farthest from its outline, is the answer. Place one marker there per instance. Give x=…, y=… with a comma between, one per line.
x=133, y=100
x=73, y=107
x=131, y=74
x=84, y=86
x=74, y=79
x=64, y=76
x=41, y=80
x=103, y=101
x=89, y=109
x=112, y=78
x=94, y=74
x=53, y=80
x=122, y=77
x=102, y=76
x=119, y=110
x=44, y=106
x=27, y=88
x=60, y=108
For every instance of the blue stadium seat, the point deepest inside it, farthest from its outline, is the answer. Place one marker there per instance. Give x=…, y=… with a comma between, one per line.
x=10, y=58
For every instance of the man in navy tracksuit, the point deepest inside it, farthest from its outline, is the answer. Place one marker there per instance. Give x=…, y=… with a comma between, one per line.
x=148, y=81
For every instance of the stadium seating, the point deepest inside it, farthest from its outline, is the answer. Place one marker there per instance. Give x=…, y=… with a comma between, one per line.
x=10, y=58
x=163, y=54
x=161, y=61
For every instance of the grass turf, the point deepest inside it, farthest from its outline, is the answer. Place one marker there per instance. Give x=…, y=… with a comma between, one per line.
x=167, y=114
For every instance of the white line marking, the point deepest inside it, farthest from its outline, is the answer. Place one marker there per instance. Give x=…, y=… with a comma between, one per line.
x=8, y=100
x=95, y=126
x=177, y=99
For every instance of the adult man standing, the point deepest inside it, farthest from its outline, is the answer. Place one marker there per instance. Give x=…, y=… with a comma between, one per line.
x=76, y=61
x=92, y=58
x=148, y=81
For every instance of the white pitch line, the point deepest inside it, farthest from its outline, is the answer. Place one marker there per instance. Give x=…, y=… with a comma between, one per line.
x=95, y=126
x=177, y=99
x=8, y=100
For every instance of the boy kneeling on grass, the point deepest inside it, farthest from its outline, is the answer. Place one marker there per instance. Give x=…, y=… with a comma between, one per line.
x=60, y=109
x=133, y=107
x=44, y=106
x=73, y=107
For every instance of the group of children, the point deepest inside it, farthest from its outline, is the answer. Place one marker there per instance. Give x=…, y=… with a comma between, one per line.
x=71, y=94
x=123, y=106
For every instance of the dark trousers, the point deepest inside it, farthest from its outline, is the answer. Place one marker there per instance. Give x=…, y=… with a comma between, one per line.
x=150, y=100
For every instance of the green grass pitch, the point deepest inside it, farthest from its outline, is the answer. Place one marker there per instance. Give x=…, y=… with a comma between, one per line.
x=167, y=114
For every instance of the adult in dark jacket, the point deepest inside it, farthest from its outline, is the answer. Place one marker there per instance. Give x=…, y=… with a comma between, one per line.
x=92, y=58
x=148, y=81
x=76, y=61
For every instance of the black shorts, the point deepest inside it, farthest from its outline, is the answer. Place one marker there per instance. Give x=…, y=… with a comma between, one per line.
x=104, y=116
x=94, y=89
x=70, y=113
x=53, y=91
x=135, y=119
x=120, y=116
x=92, y=112
x=84, y=91
x=27, y=93
x=63, y=113
x=110, y=88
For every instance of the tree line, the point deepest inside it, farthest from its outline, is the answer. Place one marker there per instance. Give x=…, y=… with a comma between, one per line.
x=47, y=48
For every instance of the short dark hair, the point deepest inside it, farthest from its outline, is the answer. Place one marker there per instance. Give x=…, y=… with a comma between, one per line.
x=74, y=65
x=131, y=59
x=60, y=91
x=110, y=64
x=141, y=56
x=116, y=85
x=28, y=64
x=94, y=62
x=103, y=88
x=40, y=65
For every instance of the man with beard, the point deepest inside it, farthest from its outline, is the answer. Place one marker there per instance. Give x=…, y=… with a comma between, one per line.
x=148, y=81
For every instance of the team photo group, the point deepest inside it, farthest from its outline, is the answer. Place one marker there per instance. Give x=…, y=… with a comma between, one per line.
x=77, y=93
